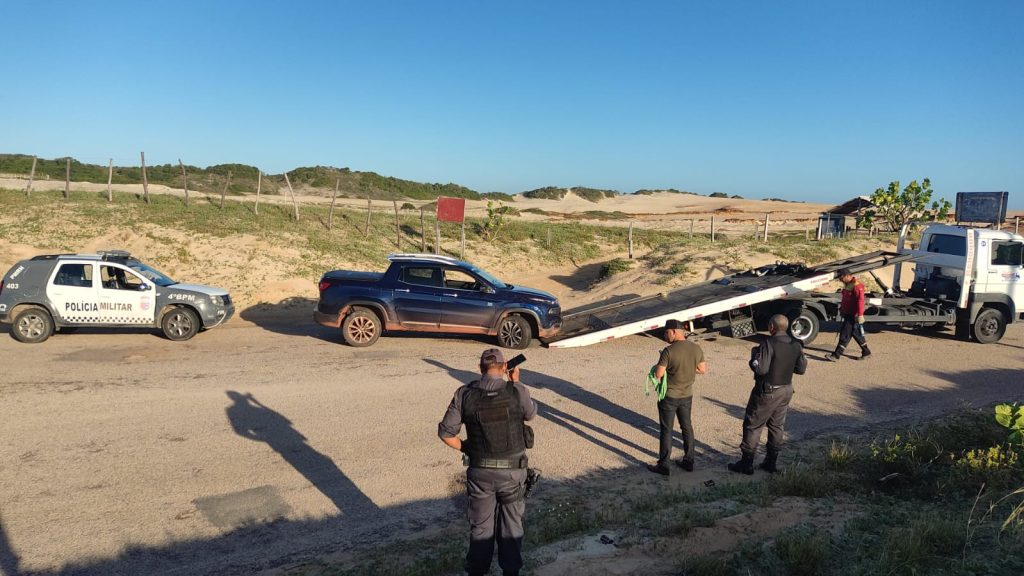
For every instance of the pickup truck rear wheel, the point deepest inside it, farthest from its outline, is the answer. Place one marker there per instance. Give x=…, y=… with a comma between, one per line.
x=180, y=323
x=989, y=326
x=32, y=325
x=514, y=332
x=361, y=328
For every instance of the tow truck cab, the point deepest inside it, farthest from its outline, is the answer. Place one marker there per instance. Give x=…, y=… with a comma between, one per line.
x=980, y=269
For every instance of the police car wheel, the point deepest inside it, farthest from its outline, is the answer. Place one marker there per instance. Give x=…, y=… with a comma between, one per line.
x=32, y=325
x=514, y=332
x=180, y=323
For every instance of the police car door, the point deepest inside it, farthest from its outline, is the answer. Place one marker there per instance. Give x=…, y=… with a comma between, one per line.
x=124, y=296
x=72, y=293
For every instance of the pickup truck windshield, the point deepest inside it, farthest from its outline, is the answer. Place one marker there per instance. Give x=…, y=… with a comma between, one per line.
x=498, y=284
x=155, y=276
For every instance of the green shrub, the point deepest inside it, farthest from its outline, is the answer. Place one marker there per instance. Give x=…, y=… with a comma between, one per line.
x=613, y=267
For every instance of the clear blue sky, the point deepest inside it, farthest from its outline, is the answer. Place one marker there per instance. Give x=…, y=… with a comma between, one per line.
x=811, y=100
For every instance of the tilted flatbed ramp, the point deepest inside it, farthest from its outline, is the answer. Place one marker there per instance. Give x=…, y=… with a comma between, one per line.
x=590, y=325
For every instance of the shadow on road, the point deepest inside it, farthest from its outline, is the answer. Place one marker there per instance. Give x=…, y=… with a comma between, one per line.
x=251, y=419
x=290, y=317
x=8, y=559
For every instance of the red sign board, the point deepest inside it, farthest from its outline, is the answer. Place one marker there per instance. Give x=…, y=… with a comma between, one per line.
x=451, y=209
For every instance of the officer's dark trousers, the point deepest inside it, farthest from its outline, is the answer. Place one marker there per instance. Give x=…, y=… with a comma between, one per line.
x=669, y=411
x=496, y=509
x=762, y=410
x=849, y=329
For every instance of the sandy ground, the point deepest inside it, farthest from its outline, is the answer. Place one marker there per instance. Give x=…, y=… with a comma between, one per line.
x=266, y=441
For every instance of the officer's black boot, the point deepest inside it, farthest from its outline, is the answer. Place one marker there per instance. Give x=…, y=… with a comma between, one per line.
x=865, y=352
x=835, y=356
x=744, y=466
x=769, y=464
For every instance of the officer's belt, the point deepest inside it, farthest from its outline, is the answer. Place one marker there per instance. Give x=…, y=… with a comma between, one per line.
x=501, y=463
x=768, y=388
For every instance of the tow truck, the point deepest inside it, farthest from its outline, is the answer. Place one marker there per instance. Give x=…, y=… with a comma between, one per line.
x=966, y=278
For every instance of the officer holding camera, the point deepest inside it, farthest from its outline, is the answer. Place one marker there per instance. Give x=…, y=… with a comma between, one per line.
x=494, y=411
x=773, y=362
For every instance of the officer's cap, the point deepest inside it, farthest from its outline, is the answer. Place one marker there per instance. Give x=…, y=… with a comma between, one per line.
x=492, y=356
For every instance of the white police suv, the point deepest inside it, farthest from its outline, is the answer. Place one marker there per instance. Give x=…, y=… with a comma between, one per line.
x=108, y=289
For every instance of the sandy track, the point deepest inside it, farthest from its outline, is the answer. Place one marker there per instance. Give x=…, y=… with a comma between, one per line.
x=258, y=444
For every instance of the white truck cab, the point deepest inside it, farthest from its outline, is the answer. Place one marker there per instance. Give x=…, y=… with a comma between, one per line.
x=979, y=269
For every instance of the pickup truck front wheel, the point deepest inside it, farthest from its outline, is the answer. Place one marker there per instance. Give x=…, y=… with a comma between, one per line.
x=514, y=332
x=361, y=328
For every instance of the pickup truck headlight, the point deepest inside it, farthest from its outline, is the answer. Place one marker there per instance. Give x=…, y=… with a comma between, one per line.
x=555, y=311
x=220, y=300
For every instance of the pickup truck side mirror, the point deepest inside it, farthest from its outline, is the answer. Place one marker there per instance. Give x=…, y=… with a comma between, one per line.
x=487, y=289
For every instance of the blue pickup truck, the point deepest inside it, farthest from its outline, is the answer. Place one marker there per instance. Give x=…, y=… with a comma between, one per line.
x=428, y=293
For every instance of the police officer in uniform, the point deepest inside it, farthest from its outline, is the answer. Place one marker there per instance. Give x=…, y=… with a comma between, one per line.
x=494, y=411
x=773, y=362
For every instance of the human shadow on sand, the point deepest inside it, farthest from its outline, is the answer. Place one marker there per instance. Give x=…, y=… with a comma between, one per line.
x=253, y=420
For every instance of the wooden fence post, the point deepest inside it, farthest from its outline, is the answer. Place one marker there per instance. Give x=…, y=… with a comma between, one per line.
x=291, y=193
x=548, y=245
x=110, y=179
x=691, y=227
x=766, y=216
x=398, y=227
x=67, y=179
x=227, y=184
x=369, y=209
x=184, y=180
x=334, y=197
x=259, y=185
x=145, y=182
x=631, y=240
x=423, y=233
x=437, y=235
x=462, y=248
x=31, y=177
x=807, y=231
x=712, y=228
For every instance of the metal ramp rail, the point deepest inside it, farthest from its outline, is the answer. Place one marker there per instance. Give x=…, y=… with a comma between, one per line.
x=590, y=325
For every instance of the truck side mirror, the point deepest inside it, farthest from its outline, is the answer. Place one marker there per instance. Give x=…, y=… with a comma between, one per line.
x=487, y=289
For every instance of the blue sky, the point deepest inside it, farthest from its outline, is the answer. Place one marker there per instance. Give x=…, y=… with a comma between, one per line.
x=810, y=100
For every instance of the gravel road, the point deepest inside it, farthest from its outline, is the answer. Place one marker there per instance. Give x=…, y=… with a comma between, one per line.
x=262, y=443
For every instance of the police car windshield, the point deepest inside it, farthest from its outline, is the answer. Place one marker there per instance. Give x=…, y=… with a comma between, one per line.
x=490, y=279
x=155, y=276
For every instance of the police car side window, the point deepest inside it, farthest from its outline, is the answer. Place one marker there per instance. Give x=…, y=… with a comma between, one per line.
x=78, y=275
x=115, y=278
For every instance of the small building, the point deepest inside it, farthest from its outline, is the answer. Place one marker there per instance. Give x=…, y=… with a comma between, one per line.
x=835, y=222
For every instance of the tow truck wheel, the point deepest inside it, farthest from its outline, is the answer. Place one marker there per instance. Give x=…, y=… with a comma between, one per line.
x=805, y=327
x=361, y=328
x=989, y=326
x=32, y=325
x=514, y=332
x=180, y=323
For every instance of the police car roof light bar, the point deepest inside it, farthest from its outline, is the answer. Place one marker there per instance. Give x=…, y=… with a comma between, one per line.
x=114, y=254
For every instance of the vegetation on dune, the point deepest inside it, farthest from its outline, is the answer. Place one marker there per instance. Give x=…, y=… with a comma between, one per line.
x=555, y=193
x=321, y=179
x=646, y=192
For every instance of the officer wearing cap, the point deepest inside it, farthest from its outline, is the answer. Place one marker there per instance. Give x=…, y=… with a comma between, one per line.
x=773, y=361
x=494, y=411
x=680, y=361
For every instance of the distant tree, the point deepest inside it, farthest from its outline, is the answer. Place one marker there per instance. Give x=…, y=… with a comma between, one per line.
x=897, y=207
x=718, y=195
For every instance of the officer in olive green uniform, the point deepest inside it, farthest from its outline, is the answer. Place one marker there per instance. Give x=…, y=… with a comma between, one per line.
x=773, y=362
x=680, y=361
x=494, y=411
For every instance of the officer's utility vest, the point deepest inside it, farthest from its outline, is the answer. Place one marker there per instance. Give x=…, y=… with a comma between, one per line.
x=494, y=423
x=786, y=353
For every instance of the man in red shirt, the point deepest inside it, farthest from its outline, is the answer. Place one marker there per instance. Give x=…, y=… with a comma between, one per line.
x=851, y=308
